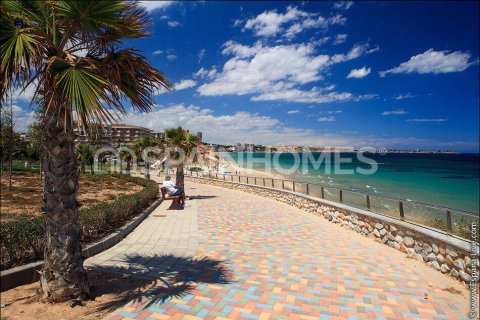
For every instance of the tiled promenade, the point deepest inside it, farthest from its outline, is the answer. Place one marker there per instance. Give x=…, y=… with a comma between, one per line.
x=268, y=260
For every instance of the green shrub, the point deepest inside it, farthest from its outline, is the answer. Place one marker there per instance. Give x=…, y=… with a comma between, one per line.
x=22, y=241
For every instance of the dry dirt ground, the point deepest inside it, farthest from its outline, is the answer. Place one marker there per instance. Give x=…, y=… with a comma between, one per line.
x=25, y=199
x=110, y=291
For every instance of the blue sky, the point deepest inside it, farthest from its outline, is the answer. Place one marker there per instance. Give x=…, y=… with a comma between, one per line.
x=362, y=74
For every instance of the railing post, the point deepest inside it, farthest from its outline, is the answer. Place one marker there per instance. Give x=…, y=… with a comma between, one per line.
x=255, y=180
x=449, y=222
x=216, y=176
x=323, y=192
x=368, y=202
x=341, y=195
x=239, y=179
x=263, y=181
x=308, y=188
x=209, y=175
x=231, y=178
x=293, y=183
x=224, y=177
x=283, y=184
x=247, y=179
x=273, y=184
x=400, y=208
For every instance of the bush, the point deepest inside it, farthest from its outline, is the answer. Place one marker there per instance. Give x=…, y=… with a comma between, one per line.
x=22, y=241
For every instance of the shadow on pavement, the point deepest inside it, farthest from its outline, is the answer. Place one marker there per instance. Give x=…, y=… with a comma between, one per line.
x=155, y=279
x=201, y=197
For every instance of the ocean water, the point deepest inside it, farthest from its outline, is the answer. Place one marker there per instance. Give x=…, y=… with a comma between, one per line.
x=450, y=180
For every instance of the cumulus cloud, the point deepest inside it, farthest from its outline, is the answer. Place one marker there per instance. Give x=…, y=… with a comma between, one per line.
x=272, y=23
x=157, y=52
x=342, y=5
x=359, y=73
x=171, y=57
x=432, y=61
x=25, y=94
x=204, y=73
x=22, y=117
x=340, y=38
x=293, y=111
x=314, y=95
x=185, y=84
x=403, y=96
x=427, y=120
x=154, y=5
x=394, y=112
x=254, y=128
x=274, y=73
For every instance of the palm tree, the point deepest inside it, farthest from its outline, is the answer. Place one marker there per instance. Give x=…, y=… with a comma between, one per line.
x=84, y=155
x=142, y=144
x=184, y=144
x=75, y=54
x=124, y=156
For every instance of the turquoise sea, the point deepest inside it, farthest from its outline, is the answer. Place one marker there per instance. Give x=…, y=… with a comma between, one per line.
x=450, y=180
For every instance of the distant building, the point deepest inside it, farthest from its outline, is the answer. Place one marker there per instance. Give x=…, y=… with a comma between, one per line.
x=126, y=134
x=100, y=135
x=239, y=147
x=248, y=147
x=160, y=135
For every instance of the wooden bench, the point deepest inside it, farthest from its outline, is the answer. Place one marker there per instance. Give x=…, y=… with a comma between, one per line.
x=166, y=196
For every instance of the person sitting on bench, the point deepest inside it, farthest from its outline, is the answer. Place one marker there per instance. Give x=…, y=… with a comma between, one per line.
x=174, y=190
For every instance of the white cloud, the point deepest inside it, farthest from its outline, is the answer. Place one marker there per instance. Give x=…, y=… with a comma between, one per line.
x=359, y=73
x=427, y=120
x=394, y=112
x=331, y=112
x=171, y=57
x=173, y=24
x=201, y=55
x=340, y=38
x=433, y=62
x=157, y=52
x=273, y=73
x=154, y=5
x=185, y=84
x=271, y=23
x=308, y=23
x=343, y=5
x=254, y=128
x=237, y=22
x=25, y=95
x=293, y=111
x=327, y=119
x=367, y=96
x=357, y=51
x=204, y=73
x=314, y=95
x=404, y=96
x=22, y=118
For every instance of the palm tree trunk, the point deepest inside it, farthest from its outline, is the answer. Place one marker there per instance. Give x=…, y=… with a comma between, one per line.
x=179, y=177
x=63, y=276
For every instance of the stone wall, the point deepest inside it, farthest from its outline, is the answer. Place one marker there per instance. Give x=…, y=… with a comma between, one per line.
x=445, y=255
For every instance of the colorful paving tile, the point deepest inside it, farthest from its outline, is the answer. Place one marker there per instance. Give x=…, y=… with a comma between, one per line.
x=282, y=263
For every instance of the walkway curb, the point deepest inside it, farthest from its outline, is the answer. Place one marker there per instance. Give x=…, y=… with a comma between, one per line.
x=28, y=273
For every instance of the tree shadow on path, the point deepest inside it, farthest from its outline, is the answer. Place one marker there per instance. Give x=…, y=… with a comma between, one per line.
x=155, y=279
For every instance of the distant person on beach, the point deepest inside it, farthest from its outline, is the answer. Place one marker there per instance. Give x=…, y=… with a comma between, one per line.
x=174, y=190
